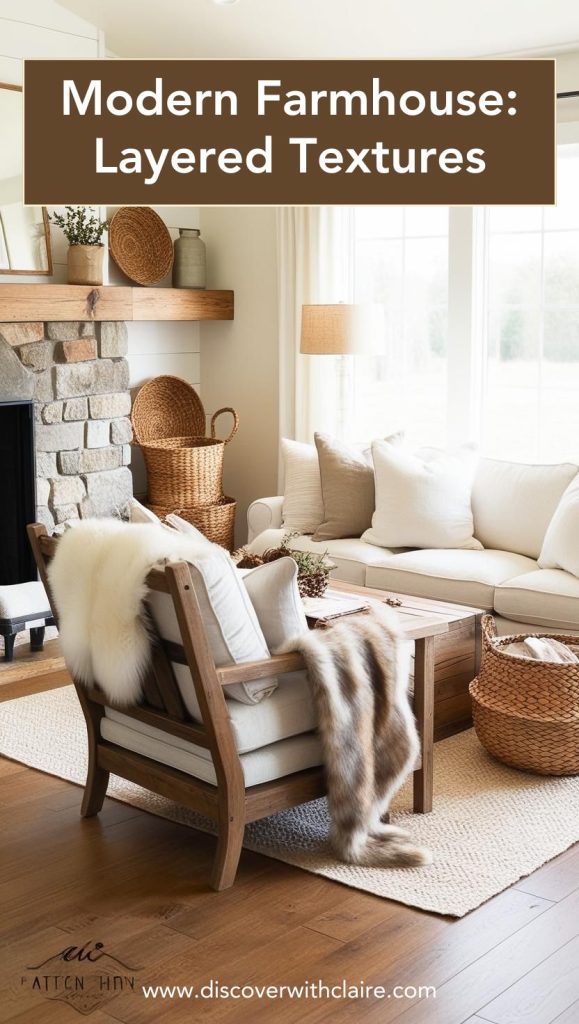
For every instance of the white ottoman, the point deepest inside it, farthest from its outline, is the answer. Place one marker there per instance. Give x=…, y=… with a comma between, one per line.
x=24, y=606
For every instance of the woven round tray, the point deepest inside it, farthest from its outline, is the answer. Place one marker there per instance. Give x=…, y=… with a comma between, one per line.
x=167, y=406
x=526, y=713
x=216, y=521
x=140, y=244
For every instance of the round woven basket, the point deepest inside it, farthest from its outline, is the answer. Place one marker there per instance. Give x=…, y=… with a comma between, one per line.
x=526, y=713
x=184, y=470
x=216, y=521
x=140, y=244
x=167, y=406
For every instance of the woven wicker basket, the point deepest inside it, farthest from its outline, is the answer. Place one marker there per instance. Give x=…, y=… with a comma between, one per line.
x=184, y=470
x=216, y=521
x=184, y=467
x=526, y=713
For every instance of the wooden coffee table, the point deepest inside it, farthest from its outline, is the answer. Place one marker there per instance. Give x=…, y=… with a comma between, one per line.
x=447, y=645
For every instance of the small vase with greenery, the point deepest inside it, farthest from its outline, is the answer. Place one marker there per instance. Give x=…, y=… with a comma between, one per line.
x=83, y=230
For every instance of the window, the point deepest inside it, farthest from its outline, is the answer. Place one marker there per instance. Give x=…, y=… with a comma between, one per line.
x=530, y=398
x=401, y=260
x=500, y=365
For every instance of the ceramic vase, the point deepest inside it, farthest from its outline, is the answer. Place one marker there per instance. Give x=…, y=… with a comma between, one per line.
x=189, y=270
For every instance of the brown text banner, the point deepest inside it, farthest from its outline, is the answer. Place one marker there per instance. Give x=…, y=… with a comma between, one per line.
x=258, y=132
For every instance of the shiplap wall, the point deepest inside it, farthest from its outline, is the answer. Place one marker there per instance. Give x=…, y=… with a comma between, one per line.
x=41, y=28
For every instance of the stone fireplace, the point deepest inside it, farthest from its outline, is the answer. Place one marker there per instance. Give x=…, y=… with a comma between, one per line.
x=77, y=376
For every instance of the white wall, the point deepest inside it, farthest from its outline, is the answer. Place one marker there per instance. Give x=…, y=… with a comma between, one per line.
x=42, y=28
x=239, y=359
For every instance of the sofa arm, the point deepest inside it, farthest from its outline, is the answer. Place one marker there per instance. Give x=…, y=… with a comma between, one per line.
x=264, y=514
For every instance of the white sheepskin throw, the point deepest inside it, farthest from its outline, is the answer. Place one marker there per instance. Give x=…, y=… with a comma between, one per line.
x=97, y=579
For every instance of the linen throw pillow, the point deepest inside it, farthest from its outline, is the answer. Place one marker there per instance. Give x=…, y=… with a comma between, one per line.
x=273, y=592
x=561, y=544
x=423, y=499
x=347, y=479
x=303, y=508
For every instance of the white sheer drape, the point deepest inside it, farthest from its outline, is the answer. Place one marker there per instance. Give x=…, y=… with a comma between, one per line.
x=315, y=264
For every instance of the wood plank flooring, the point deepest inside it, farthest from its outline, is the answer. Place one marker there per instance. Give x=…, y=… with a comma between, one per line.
x=138, y=884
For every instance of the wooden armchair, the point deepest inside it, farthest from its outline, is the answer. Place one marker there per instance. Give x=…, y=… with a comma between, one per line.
x=229, y=803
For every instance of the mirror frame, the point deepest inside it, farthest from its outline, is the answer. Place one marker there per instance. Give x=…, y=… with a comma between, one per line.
x=31, y=273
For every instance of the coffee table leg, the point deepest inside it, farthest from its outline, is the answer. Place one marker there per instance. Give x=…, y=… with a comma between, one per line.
x=424, y=714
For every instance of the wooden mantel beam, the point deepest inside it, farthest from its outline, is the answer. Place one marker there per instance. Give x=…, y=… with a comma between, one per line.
x=26, y=303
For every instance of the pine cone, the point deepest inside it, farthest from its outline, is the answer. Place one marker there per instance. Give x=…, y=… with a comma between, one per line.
x=249, y=561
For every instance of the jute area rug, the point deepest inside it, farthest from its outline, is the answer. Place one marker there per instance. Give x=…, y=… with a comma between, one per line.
x=490, y=826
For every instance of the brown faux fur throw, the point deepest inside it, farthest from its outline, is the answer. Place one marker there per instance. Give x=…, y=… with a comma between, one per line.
x=358, y=668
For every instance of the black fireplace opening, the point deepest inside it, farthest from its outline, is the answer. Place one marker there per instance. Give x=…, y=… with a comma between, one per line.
x=17, y=491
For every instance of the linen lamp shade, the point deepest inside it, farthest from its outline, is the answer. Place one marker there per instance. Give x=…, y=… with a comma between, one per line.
x=341, y=329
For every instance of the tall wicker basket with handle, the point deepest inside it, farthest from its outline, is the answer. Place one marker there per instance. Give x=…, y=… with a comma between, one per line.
x=184, y=467
x=526, y=713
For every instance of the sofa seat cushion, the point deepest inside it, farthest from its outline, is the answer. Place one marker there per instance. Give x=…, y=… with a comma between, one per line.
x=262, y=765
x=288, y=712
x=463, y=576
x=350, y=554
x=547, y=597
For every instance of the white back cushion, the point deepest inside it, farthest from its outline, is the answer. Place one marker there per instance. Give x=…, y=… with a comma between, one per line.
x=513, y=503
x=231, y=625
x=423, y=498
x=561, y=545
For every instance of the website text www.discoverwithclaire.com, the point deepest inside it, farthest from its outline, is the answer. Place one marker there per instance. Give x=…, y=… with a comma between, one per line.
x=317, y=989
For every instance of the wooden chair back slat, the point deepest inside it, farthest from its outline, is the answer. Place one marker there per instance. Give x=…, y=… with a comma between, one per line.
x=151, y=692
x=167, y=684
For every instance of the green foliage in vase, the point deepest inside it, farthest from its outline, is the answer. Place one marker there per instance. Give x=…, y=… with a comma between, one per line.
x=80, y=225
x=308, y=562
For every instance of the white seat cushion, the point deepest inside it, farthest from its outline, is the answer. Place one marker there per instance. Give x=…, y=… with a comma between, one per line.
x=350, y=554
x=23, y=599
x=547, y=597
x=467, y=577
x=288, y=712
x=271, y=762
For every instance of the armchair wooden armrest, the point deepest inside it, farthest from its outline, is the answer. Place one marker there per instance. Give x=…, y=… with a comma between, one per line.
x=276, y=665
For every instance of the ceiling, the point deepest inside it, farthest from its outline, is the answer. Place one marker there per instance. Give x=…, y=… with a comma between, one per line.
x=330, y=28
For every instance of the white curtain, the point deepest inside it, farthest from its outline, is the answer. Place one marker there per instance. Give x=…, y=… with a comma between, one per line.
x=315, y=264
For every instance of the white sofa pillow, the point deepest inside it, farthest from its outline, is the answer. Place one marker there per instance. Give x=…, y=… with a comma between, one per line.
x=561, y=545
x=423, y=499
x=513, y=503
x=303, y=507
x=273, y=591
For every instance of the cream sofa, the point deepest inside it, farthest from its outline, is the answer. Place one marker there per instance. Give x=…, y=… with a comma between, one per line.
x=513, y=504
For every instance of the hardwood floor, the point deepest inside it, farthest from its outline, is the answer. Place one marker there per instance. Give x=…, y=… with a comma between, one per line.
x=138, y=884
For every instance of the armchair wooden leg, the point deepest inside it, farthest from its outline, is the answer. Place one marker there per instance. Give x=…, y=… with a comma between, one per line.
x=97, y=781
x=229, y=843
